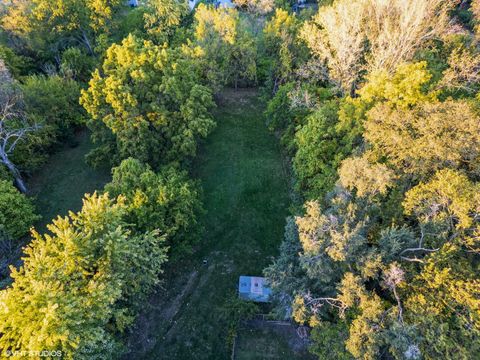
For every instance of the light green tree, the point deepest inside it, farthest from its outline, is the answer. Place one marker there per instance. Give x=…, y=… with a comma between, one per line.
x=429, y=137
x=161, y=17
x=282, y=47
x=73, y=291
x=367, y=179
x=147, y=103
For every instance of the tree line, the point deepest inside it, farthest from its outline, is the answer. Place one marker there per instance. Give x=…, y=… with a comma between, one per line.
x=377, y=105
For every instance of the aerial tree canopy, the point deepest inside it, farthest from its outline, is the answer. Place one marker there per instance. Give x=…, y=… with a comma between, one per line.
x=162, y=17
x=227, y=46
x=168, y=201
x=78, y=283
x=147, y=102
x=384, y=256
x=354, y=37
x=51, y=25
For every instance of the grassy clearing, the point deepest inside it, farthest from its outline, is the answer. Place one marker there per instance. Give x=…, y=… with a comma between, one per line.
x=246, y=198
x=263, y=344
x=60, y=185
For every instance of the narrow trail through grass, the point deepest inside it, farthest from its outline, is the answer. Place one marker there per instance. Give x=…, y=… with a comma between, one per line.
x=246, y=199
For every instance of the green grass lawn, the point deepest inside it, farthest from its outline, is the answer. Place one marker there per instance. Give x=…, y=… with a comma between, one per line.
x=59, y=186
x=246, y=197
x=266, y=344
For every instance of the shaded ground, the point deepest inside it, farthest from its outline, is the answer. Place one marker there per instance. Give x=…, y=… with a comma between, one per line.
x=246, y=198
x=57, y=187
x=262, y=340
x=60, y=185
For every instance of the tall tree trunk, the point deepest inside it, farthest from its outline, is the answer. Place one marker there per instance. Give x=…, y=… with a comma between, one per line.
x=16, y=174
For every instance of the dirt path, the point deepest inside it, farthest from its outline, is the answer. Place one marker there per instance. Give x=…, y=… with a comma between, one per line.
x=246, y=198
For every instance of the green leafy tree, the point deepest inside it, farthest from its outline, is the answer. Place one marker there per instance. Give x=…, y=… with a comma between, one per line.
x=321, y=146
x=447, y=208
x=167, y=201
x=228, y=49
x=151, y=106
x=17, y=213
x=450, y=326
x=18, y=65
x=215, y=33
x=328, y=341
x=448, y=197
x=285, y=274
x=161, y=17
x=76, y=65
x=51, y=103
x=45, y=24
x=427, y=138
x=242, y=63
x=73, y=291
x=367, y=179
x=282, y=47
x=406, y=87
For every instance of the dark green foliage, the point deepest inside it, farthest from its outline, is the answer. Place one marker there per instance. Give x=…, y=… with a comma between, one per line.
x=46, y=28
x=279, y=114
x=168, y=201
x=284, y=117
x=285, y=275
x=281, y=51
x=52, y=103
x=17, y=65
x=328, y=341
x=77, y=65
x=17, y=213
x=235, y=310
x=322, y=143
x=132, y=23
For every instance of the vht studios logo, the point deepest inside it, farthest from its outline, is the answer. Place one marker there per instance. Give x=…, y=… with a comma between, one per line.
x=33, y=353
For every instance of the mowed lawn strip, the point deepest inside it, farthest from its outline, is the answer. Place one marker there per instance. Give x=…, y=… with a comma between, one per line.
x=246, y=200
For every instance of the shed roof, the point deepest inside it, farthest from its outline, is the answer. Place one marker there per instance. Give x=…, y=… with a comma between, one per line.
x=253, y=288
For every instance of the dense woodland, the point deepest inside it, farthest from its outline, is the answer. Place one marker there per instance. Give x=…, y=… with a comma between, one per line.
x=377, y=107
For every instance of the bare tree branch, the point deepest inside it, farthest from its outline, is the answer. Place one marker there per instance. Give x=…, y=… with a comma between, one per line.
x=14, y=124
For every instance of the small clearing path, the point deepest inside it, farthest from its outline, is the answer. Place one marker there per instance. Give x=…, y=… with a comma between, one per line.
x=246, y=200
